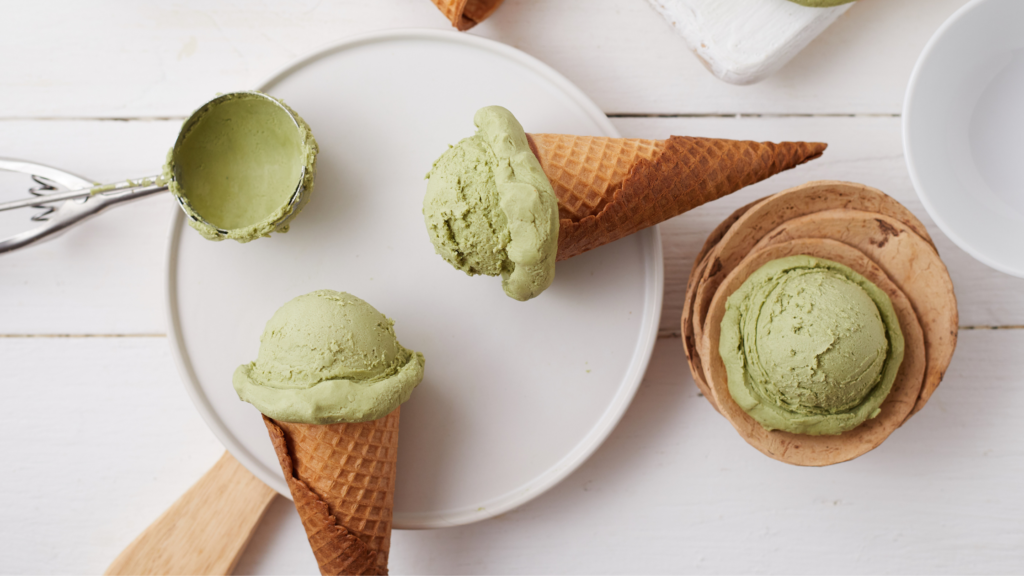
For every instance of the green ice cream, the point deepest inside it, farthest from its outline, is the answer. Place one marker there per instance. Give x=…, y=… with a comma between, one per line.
x=810, y=346
x=328, y=357
x=236, y=166
x=821, y=3
x=490, y=209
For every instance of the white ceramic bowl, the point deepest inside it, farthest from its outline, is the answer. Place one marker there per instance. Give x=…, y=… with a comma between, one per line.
x=963, y=131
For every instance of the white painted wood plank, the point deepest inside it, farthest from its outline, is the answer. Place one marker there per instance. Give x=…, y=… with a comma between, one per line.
x=866, y=150
x=101, y=438
x=98, y=439
x=676, y=490
x=673, y=490
x=106, y=276
x=77, y=59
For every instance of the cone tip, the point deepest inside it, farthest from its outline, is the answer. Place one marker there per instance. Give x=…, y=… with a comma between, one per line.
x=814, y=150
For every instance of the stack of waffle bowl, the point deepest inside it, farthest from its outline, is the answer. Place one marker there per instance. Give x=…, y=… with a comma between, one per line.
x=857, y=226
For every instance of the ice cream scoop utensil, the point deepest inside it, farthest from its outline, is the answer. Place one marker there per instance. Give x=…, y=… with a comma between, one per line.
x=203, y=532
x=80, y=198
x=72, y=209
x=149, y=185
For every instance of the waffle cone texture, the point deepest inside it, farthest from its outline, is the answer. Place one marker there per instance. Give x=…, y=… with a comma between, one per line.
x=464, y=14
x=609, y=188
x=342, y=479
x=849, y=223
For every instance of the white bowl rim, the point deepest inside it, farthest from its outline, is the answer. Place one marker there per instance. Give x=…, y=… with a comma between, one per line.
x=908, y=148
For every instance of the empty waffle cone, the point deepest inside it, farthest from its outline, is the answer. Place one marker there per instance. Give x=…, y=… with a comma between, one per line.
x=609, y=188
x=464, y=14
x=342, y=478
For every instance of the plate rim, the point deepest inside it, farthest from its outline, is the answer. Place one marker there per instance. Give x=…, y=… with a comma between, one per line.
x=909, y=149
x=603, y=426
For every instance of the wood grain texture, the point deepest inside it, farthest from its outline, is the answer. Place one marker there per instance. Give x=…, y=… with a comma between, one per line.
x=163, y=60
x=670, y=456
x=203, y=532
x=100, y=439
x=865, y=150
x=118, y=259
x=939, y=496
x=106, y=275
x=676, y=481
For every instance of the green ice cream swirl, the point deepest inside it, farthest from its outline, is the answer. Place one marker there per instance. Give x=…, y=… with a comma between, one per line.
x=329, y=357
x=237, y=165
x=810, y=346
x=489, y=208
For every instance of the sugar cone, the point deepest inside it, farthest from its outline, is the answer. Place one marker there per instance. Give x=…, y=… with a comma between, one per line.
x=609, y=188
x=342, y=478
x=464, y=14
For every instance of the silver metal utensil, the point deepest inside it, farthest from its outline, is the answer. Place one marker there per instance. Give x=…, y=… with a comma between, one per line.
x=77, y=200
x=67, y=199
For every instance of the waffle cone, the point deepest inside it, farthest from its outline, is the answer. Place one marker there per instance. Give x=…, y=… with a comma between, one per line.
x=342, y=478
x=464, y=14
x=609, y=188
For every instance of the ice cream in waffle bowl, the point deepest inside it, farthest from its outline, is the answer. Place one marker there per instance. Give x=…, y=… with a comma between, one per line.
x=736, y=332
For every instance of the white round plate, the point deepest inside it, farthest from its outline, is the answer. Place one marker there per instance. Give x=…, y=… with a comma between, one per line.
x=963, y=118
x=516, y=395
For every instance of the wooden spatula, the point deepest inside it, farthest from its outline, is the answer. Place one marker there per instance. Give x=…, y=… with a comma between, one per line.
x=204, y=531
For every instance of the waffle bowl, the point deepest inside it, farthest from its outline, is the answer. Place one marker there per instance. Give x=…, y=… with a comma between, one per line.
x=854, y=225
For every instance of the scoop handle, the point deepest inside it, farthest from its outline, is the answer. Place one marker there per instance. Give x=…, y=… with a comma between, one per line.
x=203, y=532
x=78, y=199
x=138, y=187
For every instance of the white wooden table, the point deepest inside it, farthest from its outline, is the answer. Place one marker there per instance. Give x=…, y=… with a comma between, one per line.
x=98, y=436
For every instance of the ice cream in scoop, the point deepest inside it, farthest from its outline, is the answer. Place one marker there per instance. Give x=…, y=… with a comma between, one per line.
x=242, y=167
x=810, y=346
x=504, y=202
x=329, y=357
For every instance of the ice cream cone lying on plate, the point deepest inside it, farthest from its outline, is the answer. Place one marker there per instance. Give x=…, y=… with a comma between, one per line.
x=504, y=202
x=329, y=379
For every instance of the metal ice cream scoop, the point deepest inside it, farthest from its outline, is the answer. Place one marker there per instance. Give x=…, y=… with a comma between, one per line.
x=67, y=199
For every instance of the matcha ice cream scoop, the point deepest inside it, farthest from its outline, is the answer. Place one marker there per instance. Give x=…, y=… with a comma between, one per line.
x=328, y=357
x=242, y=167
x=810, y=346
x=490, y=209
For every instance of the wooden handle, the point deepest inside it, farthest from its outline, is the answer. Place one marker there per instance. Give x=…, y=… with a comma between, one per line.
x=204, y=531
